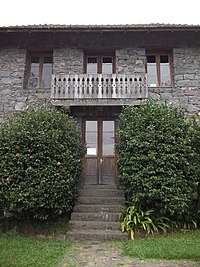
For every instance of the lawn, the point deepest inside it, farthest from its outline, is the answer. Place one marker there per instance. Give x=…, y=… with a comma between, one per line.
x=20, y=245
x=176, y=246
x=18, y=251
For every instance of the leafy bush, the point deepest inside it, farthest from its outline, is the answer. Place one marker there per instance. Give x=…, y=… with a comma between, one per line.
x=156, y=159
x=196, y=145
x=41, y=161
x=134, y=220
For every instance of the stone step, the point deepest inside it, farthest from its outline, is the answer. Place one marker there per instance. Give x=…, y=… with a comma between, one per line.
x=101, y=200
x=95, y=215
x=94, y=235
x=101, y=193
x=101, y=216
x=97, y=208
x=88, y=225
x=100, y=186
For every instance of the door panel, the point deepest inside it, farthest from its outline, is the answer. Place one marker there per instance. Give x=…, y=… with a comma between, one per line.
x=108, y=152
x=91, y=172
x=108, y=171
x=99, y=137
x=91, y=156
x=91, y=138
x=108, y=141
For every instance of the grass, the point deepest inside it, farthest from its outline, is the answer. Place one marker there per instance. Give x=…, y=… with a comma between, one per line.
x=176, y=246
x=18, y=251
x=21, y=247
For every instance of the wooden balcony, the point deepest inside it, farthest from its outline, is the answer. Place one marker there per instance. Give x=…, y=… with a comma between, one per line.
x=98, y=89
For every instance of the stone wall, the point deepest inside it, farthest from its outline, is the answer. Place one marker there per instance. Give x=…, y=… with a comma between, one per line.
x=70, y=61
x=12, y=67
x=130, y=60
x=67, y=61
x=14, y=97
x=186, y=78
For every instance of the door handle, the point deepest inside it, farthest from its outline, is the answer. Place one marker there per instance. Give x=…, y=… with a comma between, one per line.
x=101, y=161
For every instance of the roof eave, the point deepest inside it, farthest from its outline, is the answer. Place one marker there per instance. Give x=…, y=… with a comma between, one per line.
x=100, y=28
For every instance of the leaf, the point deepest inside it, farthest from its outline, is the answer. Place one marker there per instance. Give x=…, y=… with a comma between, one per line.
x=132, y=234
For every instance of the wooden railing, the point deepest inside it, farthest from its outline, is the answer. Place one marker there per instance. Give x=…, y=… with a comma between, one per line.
x=99, y=86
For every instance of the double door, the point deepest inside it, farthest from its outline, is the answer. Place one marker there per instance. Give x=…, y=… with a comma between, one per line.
x=100, y=157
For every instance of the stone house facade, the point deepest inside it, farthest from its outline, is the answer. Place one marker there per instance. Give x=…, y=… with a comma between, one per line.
x=95, y=70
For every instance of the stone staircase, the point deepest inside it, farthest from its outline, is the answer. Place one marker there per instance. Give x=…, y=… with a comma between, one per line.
x=95, y=215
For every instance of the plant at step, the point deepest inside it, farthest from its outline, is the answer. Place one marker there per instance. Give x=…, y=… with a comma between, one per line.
x=41, y=161
x=189, y=222
x=134, y=220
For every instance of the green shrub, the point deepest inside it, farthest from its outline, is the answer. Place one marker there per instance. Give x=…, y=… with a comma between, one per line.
x=156, y=159
x=196, y=146
x=41, y=161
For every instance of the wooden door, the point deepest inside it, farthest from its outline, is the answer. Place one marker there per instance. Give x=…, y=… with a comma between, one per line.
x=99, y=137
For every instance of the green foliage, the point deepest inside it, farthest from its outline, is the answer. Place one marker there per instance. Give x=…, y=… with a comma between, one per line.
x=196, y=146
x=41, y=160
x=182, y=245
x=134, y=219
x=18, y=251
x=156, y=159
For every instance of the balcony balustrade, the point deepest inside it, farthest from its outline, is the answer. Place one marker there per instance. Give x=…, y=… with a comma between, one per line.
x=97, y=89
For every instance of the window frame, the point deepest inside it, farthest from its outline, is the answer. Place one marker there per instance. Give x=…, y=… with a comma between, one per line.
x=41, y=56
x=100, y=55
x=157, y=55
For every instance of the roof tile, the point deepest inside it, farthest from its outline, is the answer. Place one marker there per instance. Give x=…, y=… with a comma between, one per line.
x=51, y=27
